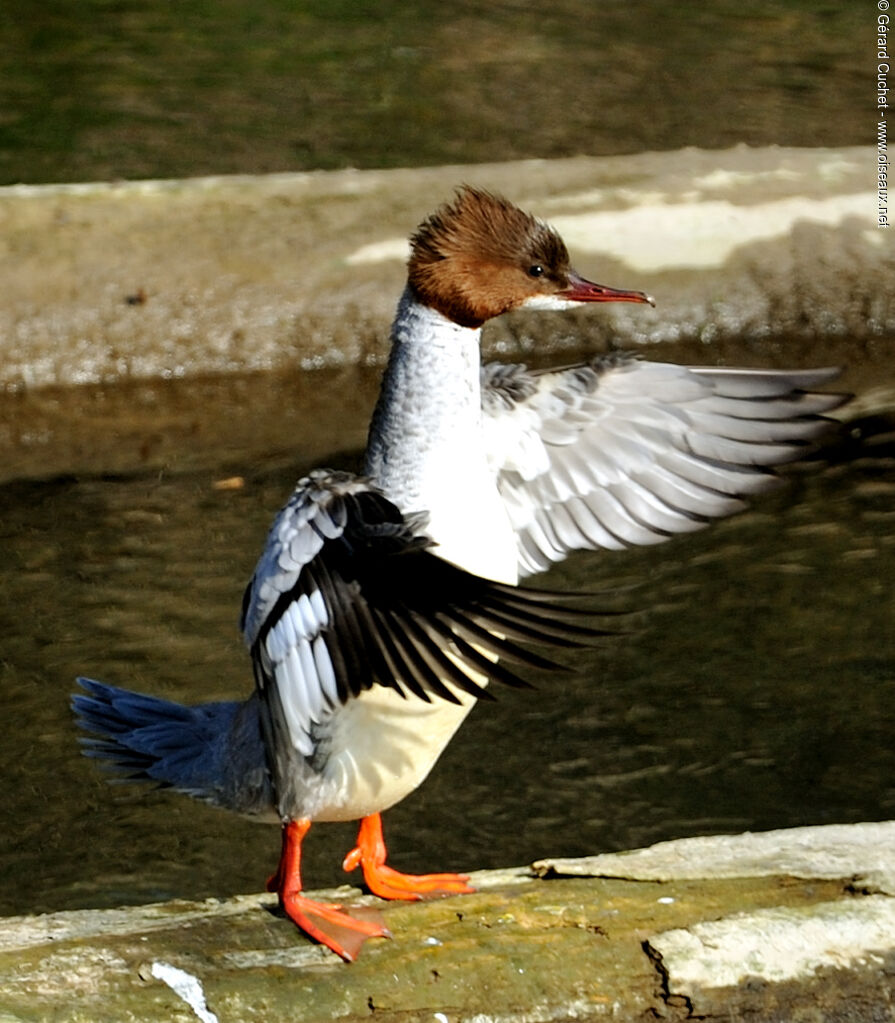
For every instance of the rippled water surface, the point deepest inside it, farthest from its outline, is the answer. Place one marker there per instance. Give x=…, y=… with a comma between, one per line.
x=755, y=687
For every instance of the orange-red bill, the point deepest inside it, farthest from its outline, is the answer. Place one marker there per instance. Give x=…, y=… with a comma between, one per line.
x=582, y=290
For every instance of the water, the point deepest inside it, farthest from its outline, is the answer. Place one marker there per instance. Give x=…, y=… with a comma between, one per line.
x=755, y=687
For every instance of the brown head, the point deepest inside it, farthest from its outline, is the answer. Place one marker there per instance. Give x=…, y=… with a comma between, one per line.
x=480, y=256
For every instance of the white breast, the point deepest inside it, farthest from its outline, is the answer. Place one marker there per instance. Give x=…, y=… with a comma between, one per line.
x=426, y=453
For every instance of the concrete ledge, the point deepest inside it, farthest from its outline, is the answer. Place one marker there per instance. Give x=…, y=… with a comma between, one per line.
x=220, y=275
x=865, y=853
x=829, y=958
x=743, y=942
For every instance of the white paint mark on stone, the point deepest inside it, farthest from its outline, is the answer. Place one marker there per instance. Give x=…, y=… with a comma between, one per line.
x=379, y=252
x=185, y=986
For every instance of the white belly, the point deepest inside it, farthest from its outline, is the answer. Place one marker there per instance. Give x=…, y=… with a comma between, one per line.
x=383, y=746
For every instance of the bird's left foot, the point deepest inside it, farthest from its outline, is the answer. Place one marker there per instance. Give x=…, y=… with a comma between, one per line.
x=370, y=854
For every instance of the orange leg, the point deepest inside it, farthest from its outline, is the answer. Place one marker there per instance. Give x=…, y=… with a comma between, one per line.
x=323, y=922
x=369, y=853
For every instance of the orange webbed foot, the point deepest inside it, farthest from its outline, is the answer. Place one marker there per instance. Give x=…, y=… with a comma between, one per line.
x=332, y=926
x=387, y=883
x=329, y=924
x=392, y=884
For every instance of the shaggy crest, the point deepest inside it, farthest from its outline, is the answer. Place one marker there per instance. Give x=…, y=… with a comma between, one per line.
x=479, y=256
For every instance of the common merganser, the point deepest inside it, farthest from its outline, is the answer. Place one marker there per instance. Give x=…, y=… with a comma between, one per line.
x=383, y=605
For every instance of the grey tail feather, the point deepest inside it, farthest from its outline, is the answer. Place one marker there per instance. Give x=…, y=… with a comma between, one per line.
x=212, y=751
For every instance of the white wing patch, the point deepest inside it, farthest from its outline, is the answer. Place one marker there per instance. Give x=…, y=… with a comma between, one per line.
x=292, y=651
x=301, y=667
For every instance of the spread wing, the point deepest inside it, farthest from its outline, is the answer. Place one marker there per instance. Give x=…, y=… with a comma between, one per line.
x=348, y=595
x=619, y=452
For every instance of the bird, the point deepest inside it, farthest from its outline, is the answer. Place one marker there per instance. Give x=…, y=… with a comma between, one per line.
x=385, y=603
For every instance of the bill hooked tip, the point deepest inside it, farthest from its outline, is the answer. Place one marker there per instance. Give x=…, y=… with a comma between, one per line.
x=582, y=290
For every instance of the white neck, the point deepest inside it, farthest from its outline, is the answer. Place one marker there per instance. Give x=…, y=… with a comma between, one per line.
x=429, y=407
x=425, y=448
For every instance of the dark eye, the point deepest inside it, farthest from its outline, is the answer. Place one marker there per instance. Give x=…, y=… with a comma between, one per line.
x=536, y=271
